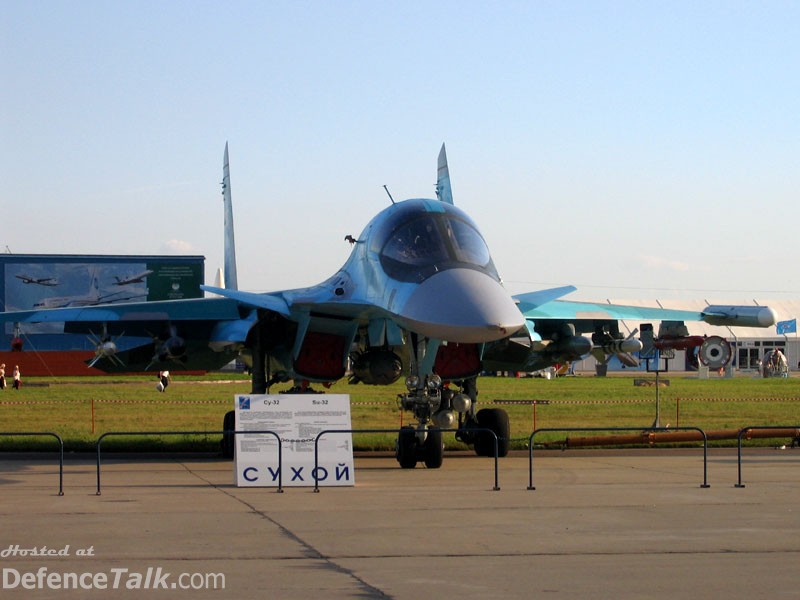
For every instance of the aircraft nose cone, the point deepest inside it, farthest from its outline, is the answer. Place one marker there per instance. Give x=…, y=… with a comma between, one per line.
x=464, y=306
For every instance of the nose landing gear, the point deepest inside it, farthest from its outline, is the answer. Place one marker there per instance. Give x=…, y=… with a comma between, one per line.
x=428, y=403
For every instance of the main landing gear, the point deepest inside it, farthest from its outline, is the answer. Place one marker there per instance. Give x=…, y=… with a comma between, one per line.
x=496, y=421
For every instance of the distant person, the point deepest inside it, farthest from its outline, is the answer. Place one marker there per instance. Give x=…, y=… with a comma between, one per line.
x=781, y=364
x=780, y=357
x=164, y=377
x=17, y=378
x=3, y=376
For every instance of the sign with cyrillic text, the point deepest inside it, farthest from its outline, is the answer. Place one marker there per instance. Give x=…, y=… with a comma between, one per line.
x=297, y=419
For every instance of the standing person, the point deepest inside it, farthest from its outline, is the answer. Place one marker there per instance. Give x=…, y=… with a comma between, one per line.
x=164, y=377
x=17, y=377
x=3, y=376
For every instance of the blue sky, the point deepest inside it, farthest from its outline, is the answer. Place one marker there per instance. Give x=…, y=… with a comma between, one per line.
x=634, y=149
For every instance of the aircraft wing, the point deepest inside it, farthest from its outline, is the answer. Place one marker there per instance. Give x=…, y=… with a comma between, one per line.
x=201, y=333
x=556, y=328
x=223, y=319
x=207, y=309
x=252, y=299
x=531, y=301
x=730, y=315
x=192, y=334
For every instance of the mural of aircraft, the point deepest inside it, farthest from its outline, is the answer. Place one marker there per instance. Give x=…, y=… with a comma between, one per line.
x=138, y=278
x=47, y=281
x=419, y=298
x=92, y=298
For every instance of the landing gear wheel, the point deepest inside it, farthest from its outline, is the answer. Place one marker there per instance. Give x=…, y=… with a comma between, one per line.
x=228, y=441
x=496, y=420
x=407, y=448
x=433, y=450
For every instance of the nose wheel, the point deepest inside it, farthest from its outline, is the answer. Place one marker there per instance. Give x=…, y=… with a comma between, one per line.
x=410, y=450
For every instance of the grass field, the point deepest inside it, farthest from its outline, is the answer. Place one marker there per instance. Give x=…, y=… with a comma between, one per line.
x=81, y=409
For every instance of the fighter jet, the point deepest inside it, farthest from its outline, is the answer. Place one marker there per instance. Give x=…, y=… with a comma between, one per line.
x=46, y=281
x=138, y=278
x=419, y=298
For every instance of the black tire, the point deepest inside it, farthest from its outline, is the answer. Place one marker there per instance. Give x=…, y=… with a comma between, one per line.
x=407, y=448
x=228, y=439
x=495, y=420
x=433, y=450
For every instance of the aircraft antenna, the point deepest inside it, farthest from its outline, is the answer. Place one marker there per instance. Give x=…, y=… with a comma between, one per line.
x=390, y=194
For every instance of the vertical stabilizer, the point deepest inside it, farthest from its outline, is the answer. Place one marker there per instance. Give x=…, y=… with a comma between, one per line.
x=229, y=268
x=219, y=282
x=443, y=191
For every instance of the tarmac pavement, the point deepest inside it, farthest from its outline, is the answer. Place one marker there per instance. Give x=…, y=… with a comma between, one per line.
x=600, y=524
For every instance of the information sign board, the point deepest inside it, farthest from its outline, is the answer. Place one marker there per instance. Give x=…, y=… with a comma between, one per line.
x=297, y=419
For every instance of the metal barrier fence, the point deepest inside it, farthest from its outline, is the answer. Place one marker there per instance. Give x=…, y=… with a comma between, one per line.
x=742, y=433
x=398, y=432
x=645, y=430
x=60, y=452
x=226, y=432
x=744, y=430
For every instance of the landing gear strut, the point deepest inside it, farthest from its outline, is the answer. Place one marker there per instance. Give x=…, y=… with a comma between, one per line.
x=423, y=444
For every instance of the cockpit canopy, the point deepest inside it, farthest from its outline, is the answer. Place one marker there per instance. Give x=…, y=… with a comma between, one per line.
x=422, y=237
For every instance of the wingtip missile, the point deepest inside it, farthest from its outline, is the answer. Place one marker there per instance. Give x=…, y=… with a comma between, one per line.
x=740, y=316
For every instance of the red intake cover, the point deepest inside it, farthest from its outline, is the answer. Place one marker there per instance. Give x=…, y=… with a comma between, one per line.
x=457, y=361
x=321, y=357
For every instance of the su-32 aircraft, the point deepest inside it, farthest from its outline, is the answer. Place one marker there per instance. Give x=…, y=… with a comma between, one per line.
x=418, y=298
